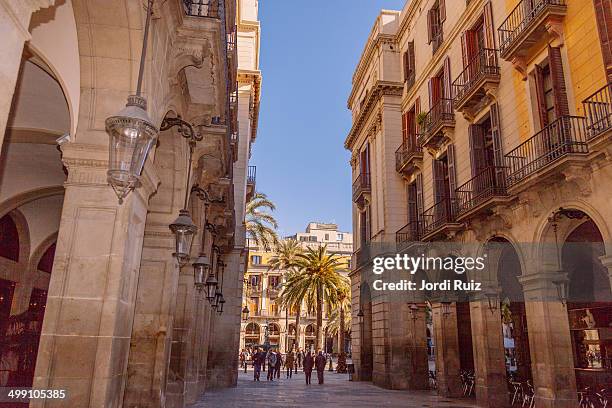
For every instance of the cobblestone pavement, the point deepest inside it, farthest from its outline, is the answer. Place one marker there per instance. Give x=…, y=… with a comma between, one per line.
x=336, y=392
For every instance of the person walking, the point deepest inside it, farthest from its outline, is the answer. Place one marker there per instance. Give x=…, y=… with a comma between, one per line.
x=279, y=364
x=257, y=360
x=289, y=363
x=271, y=365
x=308, y=364
x=242, y=358
x=320, y=366
x=299, y=359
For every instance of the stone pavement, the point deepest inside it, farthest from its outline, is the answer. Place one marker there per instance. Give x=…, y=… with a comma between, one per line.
x=336, y=392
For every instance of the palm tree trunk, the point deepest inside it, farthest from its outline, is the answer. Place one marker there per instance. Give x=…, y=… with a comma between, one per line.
x=341, y=367
x=297, y=327
x=319, y=317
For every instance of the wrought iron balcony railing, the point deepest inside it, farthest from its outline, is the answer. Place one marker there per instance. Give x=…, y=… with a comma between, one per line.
x=201, y=8
x=361, y=185
x=407, y=152
x=484, y=65
x=251, y=174
x=410, y=232
x=564, y=136
x=442, y=112
x=598, y=112
x=521, y=19
x=438, y=215
x=487, y=184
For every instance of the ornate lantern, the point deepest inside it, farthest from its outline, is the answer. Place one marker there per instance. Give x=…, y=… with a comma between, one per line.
x=184, y=230
x=200, y=269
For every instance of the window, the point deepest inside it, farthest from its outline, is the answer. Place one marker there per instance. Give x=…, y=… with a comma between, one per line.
x=254, y=305
x=273, y=281
x=327, y=237
x=339, y=236
x=312, y=238
x=303, y=239
x=256, y=259
x=348, y=263
x=435, y=18
x=254, y=281
x=364, y=225
x=551, y=94
x=409, y=64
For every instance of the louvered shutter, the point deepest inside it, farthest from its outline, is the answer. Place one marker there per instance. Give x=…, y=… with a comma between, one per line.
x=477, y=149
x=447, y=79
x=464, y=49
x=488, y=26
x=452, y=175
x=430, y=26
x=406, y=66
x=558, y=81
x=404, y=127
x=498, y=150
x=541, y=99
x=442, y=7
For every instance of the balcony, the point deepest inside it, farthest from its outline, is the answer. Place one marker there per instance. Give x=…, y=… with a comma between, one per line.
x=251, y=176
x=201, y=8
x=439, y=220
x=529, y=24
x=410, y=232
x=438, y=125
x=562, y=141
x=481, y=192
x=361, y=188
x=476, y=85
x=408, y=158
x=598, y=112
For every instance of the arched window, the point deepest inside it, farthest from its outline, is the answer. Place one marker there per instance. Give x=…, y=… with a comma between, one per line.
x=9, y=239
x=252, y=329
x=292, y=330
x=46, y=261
x=273, y=330
x=310, y=331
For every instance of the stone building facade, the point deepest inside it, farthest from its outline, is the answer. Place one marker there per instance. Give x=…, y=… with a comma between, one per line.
x=262, y=286
x=92, y=300
x=486, y=123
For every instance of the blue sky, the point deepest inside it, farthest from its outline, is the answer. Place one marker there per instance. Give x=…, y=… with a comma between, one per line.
x=309, y=51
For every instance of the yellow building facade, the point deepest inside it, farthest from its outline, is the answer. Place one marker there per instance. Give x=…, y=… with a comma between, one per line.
x=262, y=287
x=474, y=123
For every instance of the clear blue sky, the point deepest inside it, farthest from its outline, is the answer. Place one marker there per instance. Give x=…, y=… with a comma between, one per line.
x=309, y=51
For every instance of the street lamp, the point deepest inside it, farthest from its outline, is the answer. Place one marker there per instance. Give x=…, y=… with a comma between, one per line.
x=414, y=309
x=493, y=300
x=200, y=267
x=245, y=313
x=562, y=286
x=446, y=308
x=211, y=287
x=184, y=230
x=131, y=133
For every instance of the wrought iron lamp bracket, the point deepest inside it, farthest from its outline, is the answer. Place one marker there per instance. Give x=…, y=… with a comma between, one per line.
x=185, y=128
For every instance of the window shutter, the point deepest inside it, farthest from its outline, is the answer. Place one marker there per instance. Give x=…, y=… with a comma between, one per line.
x=419, y=197
x=539, y=83
x=406, y=66
x=411, y=193
x=452, y=175
x=464, y=49
x=431, y=92
x=442, y=7
x=498, y=150
x=404, y=127
x=558, y=80
x=438, y=179
x=447, y=94
x=477, y=149
x=603, y=13
x=488, y=26
x=429, y=26
x=411, y=128
x=411, y=57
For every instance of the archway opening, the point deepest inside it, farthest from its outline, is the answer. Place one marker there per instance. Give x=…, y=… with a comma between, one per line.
x=366, y=354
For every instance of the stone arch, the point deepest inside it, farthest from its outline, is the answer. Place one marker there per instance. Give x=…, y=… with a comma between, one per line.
x=252, y=328
x=42, y=250
x=29, y=196
x=24, y=235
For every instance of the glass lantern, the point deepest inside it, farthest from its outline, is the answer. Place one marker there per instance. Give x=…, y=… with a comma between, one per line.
x=184, y=230
x=200, y=269
x=132, y=135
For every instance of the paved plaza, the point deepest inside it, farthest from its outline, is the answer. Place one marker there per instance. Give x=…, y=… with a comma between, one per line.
x=337, y=391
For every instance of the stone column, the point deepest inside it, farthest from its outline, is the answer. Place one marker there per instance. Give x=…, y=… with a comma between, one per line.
x=550, y=342
x=86, y=331
x=222, y=369
x=447, y=350
x=14, y=30
x=489, y=363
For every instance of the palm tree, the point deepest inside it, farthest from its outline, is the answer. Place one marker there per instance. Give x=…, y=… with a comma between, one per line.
x=317, y=281
x=285, y=258
x=338, y=321
x=260, y=224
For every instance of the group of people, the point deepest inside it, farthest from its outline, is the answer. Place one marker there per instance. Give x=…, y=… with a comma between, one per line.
x=274, y=360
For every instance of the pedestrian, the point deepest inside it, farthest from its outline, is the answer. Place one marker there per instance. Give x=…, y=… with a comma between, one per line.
x=247, y=357
x=242, y=357
x=257, y=360
x=320, y=366
x=308, y=364
x=279, y=364
x=289, y=363
x=271, y=365
x=299, y=358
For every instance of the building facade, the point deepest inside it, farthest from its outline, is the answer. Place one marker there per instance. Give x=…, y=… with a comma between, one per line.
x=262, y=287
x=92, y=299
x=486, y=123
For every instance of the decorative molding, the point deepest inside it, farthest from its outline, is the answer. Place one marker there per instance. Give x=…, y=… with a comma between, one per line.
x=520, y=65
x=554, y=27
x=380, y=89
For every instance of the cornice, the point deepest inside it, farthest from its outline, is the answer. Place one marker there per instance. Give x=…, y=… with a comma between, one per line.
x=365, y=59
x=380, y=89
x=253, y=78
